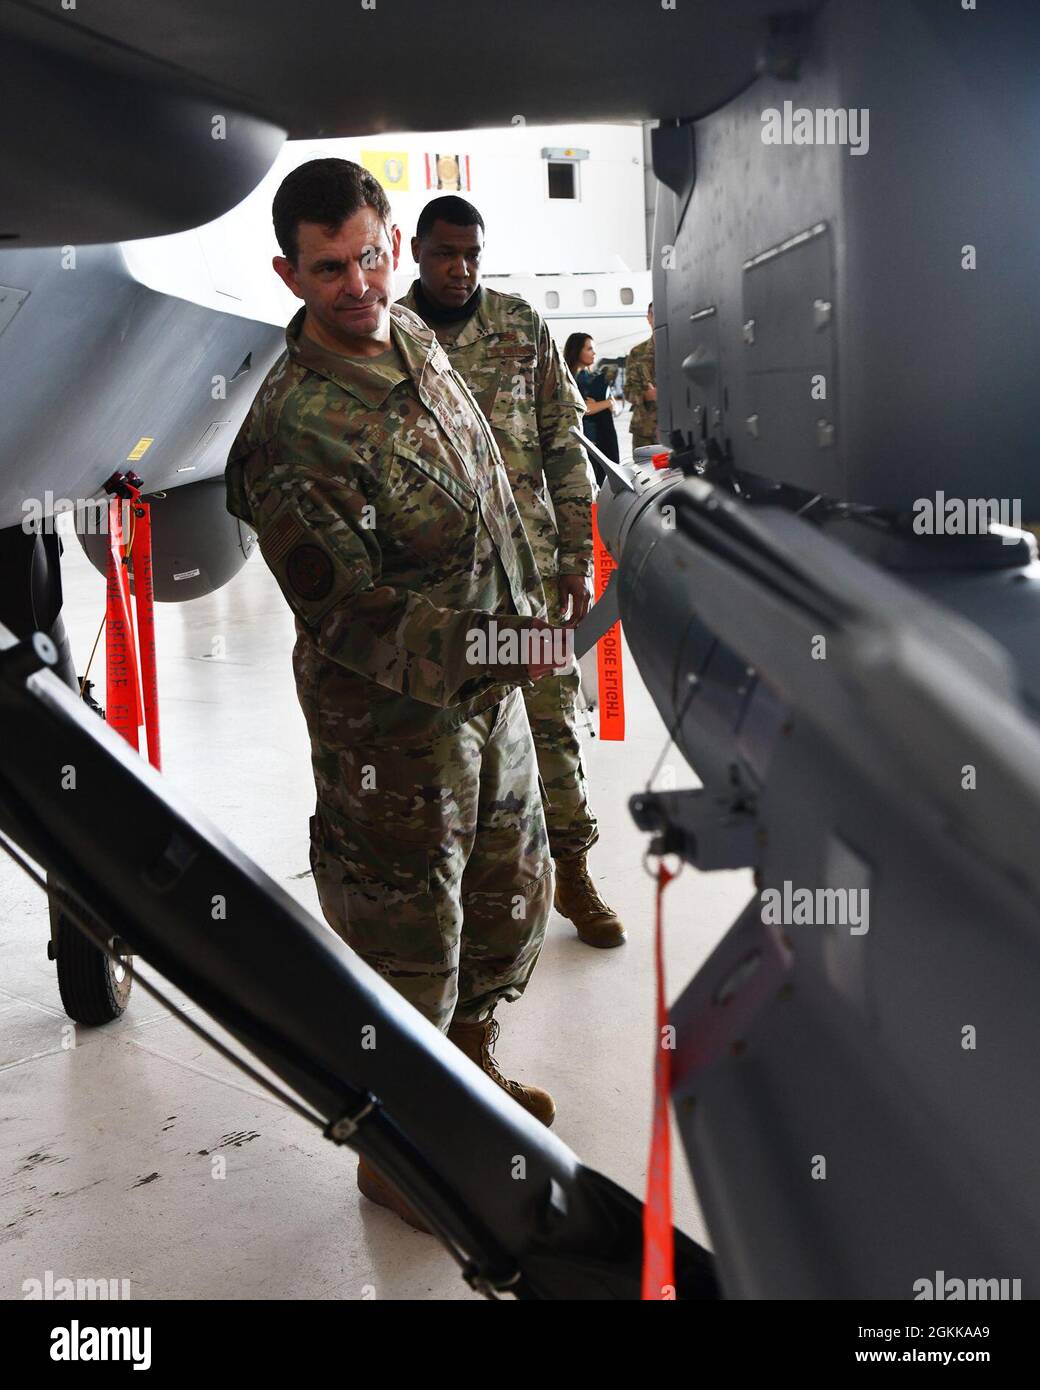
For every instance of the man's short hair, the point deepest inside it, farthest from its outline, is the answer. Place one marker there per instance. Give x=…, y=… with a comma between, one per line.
x=326, y=191
x=451, y=209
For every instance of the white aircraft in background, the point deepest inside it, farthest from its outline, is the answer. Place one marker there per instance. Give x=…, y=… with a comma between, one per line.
x=564, y=209
x=146, y=354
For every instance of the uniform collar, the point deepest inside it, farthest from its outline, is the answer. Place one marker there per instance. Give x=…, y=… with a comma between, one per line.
x=369, y=382
x=476, y=326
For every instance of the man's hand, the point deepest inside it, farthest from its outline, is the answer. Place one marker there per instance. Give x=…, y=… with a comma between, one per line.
x=575, y=596
x=650, y=394
x=542, y=668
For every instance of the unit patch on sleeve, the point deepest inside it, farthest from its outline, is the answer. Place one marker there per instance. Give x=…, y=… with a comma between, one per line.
x=309, y=571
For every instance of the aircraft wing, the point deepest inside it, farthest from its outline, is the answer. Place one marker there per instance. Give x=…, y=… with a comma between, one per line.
x=138, y=93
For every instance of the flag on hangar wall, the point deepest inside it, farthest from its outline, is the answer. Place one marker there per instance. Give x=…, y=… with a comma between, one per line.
x=448, y=172
x=390, y=167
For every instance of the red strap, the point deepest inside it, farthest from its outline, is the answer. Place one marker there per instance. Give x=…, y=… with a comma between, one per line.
x=121, y=697
x=125, y=542
x=144, y=603
x=131, y=699
x=608, y=650
x=658, y=1239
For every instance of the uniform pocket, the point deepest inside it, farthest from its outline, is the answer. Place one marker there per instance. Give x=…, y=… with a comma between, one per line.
x=513, y=410
x=375, y=894
x=430, y=512
x=358, y=855
x=437, y=474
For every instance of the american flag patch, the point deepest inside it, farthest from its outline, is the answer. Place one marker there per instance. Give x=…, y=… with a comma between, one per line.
x=278, y=539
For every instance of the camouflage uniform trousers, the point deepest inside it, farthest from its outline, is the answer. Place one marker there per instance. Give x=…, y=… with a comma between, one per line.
x=433, y=866
x=552, y=708
x=641, y=440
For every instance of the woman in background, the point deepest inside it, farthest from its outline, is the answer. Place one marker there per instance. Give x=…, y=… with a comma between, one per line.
x=579, y=352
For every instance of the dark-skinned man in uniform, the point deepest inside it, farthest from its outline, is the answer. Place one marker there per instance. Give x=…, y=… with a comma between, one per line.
x=385, y=514
x=503, y=350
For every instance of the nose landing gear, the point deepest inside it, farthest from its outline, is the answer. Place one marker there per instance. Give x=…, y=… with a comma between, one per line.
x=94, y=986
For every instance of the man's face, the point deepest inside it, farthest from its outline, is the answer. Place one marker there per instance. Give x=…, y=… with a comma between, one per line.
x=344, y=275
x=448, y=258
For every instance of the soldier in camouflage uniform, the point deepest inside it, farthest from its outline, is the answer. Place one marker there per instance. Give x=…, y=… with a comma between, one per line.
x=383, y=511
x=503, y=349
x=640, y=388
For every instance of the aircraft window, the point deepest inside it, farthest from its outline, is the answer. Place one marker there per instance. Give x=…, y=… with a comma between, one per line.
x=552, y=299
x=588, y=298
x=563, y=179
x=627, y=295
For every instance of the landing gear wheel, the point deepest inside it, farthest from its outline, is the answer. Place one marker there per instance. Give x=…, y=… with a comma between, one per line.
x=94, y=988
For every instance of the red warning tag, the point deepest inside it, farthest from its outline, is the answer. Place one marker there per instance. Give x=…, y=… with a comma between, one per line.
x=658, y=1233
x=122, y=698
x=608, y=649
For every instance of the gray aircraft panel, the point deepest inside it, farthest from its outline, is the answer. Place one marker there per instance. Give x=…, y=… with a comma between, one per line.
x=94, y=362
x=158, y=75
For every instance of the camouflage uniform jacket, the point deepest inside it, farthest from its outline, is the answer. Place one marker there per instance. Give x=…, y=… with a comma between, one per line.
x=383, y=510
x=508, y=359
x=639, y=377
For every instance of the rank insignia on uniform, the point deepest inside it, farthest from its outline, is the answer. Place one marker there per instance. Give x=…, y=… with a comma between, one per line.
x=511, y=350
x=309, y=571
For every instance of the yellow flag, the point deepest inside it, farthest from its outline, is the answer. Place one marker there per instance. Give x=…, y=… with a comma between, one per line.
x=390, y=168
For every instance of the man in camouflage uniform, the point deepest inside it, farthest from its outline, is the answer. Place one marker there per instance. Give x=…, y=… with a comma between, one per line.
x=503, y=350
x=640, y=388
x=383, y=510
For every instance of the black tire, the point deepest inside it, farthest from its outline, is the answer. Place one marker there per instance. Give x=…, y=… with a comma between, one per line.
x=94, y=988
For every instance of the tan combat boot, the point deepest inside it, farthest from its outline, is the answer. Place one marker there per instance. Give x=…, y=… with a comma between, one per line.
x=374, y=1186
x=476, y=1040
x=577, y=900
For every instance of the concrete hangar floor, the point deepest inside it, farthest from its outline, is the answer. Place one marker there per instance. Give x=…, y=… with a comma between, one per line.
x=108, y=1136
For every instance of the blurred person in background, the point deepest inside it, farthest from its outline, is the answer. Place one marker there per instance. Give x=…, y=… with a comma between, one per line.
x=641, y=388
x=579, y=353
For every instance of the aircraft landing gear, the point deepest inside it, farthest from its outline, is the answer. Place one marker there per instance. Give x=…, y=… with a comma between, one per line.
x=94, y=988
